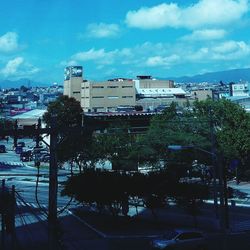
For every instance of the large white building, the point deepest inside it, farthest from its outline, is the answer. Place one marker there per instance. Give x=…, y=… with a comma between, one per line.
x=239, y=89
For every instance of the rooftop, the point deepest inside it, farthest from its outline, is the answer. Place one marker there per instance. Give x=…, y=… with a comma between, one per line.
x=32, y=114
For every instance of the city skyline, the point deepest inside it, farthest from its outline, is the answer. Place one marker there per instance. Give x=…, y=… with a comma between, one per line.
x=125, y=39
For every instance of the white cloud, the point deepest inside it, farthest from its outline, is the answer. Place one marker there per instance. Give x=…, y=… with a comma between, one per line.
x=224, y=51
x=89, y=55
x=205, y=13
x=156, y=56
x=17, y=67
x=12, y=66
x=199, y=55
x=230, y=46
x=205, y=34
x=8, y=42
x=156, y=17
x=230, y=50
x=156, y=61
x=100, y=56
x=102, y=30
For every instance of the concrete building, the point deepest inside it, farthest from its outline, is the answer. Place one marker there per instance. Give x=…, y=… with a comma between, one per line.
x=201, y=94
x=239, y=89
x=147, y=82
x=120, y=92
x=107, y=95
x=152, y=93
x=73, y=78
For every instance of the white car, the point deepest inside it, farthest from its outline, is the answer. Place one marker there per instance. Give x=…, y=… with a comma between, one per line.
x=180, y=239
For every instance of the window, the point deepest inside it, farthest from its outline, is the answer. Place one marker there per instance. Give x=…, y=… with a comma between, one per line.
x=97, y=97
x=127, y=87
x=76, y=92
x=112, y=87
x=113, y=97
x=98, y=87
x=127, y=96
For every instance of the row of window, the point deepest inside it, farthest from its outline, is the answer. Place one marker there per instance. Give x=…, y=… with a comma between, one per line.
x=111, y=97
x=103, y=108
x=109, y=87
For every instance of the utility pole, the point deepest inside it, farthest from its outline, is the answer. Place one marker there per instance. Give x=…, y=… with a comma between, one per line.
x=38, y=132
x=3, y=216
x=224, y=195
x=52, y=219
x=214, y=162
x=12, y=214
x=15, y=133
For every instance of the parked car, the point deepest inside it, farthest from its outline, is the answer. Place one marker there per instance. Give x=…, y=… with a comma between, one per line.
x=2, y=149
x=25, y=155
x=39, y=153
x=180, y=239
x=19, y=149
x=45, y=158
x=21, y=144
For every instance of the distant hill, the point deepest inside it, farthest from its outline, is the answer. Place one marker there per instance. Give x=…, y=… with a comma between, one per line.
x=7, y=84
x=234, y=75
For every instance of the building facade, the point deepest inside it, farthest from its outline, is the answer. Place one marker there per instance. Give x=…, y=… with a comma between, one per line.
x=105, y=96
x=239, y=89
x=73, y=78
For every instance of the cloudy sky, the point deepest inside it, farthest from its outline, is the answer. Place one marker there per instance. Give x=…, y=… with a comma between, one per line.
x=111, y=38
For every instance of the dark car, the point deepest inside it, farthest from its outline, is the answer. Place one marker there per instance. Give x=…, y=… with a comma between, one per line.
x=19, y=149
x=21, y=144
x=39, y=153
x=45, y=158
x=25, y=155
x=180, y=239
x=2, y=149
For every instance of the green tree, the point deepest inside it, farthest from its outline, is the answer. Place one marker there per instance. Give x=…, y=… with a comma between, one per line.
x=67, y=110
x=169, y=128
x=228, y=121
x=116, y=146
x=232, y=128
x=67, y=113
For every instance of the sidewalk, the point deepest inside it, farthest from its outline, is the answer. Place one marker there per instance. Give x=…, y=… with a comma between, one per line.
x=147, y=224
x=95, y=231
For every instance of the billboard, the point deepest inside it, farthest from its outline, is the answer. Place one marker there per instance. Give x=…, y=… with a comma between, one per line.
x=76, y=71
x=72, y=71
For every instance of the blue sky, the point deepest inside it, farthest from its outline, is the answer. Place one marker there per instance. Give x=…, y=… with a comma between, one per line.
x=111, y=38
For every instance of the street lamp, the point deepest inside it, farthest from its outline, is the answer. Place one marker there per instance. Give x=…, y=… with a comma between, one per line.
x=222, y=180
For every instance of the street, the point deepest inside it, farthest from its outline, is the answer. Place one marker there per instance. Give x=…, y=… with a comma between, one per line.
x=74, y=233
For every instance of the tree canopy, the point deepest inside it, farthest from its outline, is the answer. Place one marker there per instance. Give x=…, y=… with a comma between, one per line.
x=67, y=110
x=67, y=113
